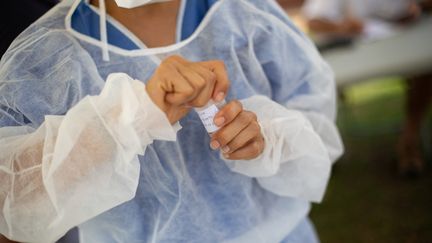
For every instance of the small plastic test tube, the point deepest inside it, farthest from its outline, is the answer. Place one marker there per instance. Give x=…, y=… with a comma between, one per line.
x=207, y=114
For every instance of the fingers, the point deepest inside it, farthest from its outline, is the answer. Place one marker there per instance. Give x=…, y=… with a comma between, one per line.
x=179, y=83
x=178, y=90
x=228, y=113
x=209, y=80
x=199, y=78
x=222, y=82
x=209, y=77
x=232, y=130
x=195, y=81
x=251, y=132
x=240, y=137
x=249, y=151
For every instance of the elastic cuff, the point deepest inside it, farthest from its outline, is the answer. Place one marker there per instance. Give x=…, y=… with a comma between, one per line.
x=262, y=166
x=151, y=120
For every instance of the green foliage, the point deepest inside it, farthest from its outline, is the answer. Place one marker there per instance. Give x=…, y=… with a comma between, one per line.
x=367, y=201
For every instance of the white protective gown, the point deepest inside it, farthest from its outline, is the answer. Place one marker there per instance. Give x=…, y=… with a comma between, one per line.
x=78, y=150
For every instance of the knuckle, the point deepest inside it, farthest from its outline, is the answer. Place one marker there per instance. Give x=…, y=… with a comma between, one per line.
x=249, y=116
x=244, y=118
x=235, y=144
x=223, y=141
x=183, y=97
x=219, y=64
x=200, y=82
x=222, y=137
x=238, y=104
x=210, y=77
x=255, y=127
x=256, y=147
x=189, y=91
x=230, y=112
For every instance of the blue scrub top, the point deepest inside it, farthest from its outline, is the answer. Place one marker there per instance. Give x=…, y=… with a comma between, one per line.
x=86, y=21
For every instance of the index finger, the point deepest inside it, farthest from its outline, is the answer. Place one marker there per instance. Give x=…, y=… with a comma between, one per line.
x=228, y=113
x=222, y=82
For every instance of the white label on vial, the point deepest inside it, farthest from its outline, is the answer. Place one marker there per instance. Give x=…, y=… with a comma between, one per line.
x=207, y=116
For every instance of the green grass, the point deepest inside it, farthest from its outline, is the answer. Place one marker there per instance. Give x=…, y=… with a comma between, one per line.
x=366, y=200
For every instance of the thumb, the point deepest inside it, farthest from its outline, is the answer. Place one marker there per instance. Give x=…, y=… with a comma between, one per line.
x=222, y=81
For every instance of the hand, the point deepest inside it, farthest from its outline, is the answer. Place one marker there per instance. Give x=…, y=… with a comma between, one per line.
x=240, y=137
x=178, y=84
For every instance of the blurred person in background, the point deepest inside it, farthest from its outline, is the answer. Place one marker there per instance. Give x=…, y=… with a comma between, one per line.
x=349, y=17
x=419, y=96
x=291, y=4
x=336, y=20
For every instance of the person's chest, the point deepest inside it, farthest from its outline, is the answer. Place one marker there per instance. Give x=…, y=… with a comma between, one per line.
x=131, y=34
x=153, y=28
x=156, y=33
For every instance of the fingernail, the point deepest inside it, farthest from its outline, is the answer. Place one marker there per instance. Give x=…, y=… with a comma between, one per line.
x=220, y=96
x=214, y=145
x=219, y=121
x=225, y=149
x=226, y=156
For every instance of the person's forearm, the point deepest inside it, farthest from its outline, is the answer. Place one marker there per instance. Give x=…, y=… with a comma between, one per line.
x=296, y=161
x=77, y=166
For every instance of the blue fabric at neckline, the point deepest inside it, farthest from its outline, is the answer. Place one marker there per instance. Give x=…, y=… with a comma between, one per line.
x=86, y=21
x=195, y=10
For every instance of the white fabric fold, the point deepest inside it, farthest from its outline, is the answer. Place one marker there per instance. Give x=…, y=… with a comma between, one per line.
x=296, y=161
x=77, y=166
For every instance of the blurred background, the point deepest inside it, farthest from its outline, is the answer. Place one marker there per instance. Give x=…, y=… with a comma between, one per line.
x=381, y=53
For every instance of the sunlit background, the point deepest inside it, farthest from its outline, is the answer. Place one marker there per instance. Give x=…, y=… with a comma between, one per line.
x=369, y=198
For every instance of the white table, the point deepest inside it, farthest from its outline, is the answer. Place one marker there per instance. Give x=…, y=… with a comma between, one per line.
x=406, y=53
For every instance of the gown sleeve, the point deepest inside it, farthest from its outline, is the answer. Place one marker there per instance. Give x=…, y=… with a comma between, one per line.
x=297, y=121
x=74, y=167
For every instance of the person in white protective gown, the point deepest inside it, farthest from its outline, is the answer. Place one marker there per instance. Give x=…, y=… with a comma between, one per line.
x=96, y=129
